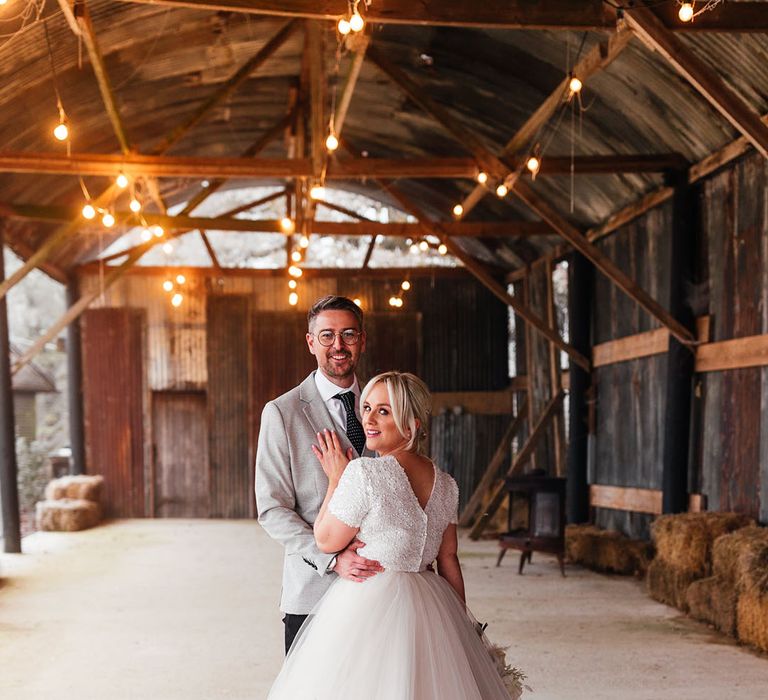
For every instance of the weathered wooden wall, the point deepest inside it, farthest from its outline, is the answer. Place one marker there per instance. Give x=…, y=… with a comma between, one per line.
x=235, y=343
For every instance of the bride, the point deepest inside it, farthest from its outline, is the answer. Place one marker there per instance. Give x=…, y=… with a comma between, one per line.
x=404, y=634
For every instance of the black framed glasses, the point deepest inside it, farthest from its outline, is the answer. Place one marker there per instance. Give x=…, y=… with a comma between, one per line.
x=349, y=336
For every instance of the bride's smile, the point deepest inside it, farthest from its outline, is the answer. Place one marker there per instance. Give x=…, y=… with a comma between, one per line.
x=381, y=432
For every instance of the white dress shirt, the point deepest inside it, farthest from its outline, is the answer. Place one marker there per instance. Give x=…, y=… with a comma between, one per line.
x=328, y=390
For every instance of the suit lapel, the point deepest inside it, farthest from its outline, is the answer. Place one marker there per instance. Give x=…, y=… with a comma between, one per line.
x=317, y=412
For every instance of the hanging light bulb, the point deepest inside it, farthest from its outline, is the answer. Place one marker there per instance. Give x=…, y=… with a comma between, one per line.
x=295, y=271
x=296, y=256
x=61, y=132
x=501, y=190
x=158, y=231
x=332, y=142
x=398, y=302
x=575, y=85
x=414, y=248
x=317, y=192
x=304, y=242
x=534, y=165
x=287, y=225
x=168, y=248
x=168, y=286
x=89, y=212
x=180, y=279
x=292, y=284
x=393, y=301
x=2, y=2
x=122, y=181
x=135, y=206
x=293, y=298
x=176, y=299
x=458, y=210
x=108, y=220
x=424, y=246
x=343, y=26
x=482, y=177
x=146, y=235
x=405, y=286
x=357, y=301
x=356, y=22
x=685, y=13
x=442, y=249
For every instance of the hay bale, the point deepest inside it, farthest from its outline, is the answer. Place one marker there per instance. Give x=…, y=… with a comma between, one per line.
x=79, y=487
x=606, y=550
x=669, y=584
x=684, y=540
x=67, y=515
x=713, y=600
x=726, y=551
x=752, y=619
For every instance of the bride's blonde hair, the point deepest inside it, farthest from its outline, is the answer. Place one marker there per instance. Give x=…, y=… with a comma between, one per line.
x=411, y=406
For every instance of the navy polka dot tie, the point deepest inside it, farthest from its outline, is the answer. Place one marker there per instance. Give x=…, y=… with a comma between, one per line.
x=355, y=431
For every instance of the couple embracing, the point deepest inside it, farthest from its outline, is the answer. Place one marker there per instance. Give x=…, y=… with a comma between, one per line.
x=344, y=484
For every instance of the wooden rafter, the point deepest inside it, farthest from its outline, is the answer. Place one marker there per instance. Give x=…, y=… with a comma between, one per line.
x=359, y=45
x=597, y=59
x=318, y=126
x=651, y=30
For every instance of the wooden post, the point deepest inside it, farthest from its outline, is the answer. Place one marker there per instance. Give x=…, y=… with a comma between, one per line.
x=680, y=365
x=580, y=281
x=75, y=384
x=554, y=369
x=9, y=490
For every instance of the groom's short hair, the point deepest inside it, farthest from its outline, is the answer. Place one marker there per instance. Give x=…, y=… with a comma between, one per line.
x=333, y=302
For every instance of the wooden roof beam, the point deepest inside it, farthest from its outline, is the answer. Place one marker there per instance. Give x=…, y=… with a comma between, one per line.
x=598, y=58
x=318, y=125
x=704, y=79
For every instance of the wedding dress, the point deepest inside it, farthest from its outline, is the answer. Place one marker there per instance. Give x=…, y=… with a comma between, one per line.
x=403, y=634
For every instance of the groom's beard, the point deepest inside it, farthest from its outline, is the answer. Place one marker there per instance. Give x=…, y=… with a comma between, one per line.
x=334, y=368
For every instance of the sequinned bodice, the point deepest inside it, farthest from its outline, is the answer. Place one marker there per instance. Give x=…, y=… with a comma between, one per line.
x=374, y=495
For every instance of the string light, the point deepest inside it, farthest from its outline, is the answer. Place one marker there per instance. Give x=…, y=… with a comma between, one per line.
x=393, y=301
x=180, y=279
x=458, y=210
x=176, y=299
x=296, y=256
x=293, y=298
x=304, y=242
x=343, y=26
x=108, y=220
x=356, y=22
x=405, y=286
x=122, y=181
x=135, y=206
x=357, y=301
x=146, y=235
x=295, y=271
x=501, y=190
x=292, y=284
x=442, y=249
x=158, y=231
x=534, y=165
x=168, y=286
x=287, y=225
x=424, y=246
x=575, y=85
x=317, y=192
x=482, y=177
x=168, y=248
x=685, y=13
x=61, y=132
x=332, y=142
x=414, y=248
x=89, y=212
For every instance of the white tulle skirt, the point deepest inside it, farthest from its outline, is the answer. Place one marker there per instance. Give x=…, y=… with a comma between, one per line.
x=398, y=636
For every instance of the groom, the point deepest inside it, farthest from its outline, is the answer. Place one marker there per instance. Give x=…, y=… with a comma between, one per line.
x=290, y=484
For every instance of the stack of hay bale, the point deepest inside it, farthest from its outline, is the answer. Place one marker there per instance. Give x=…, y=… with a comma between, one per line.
x=71, y=503
x=735, y=598
x=684, y=552
x=606, y=550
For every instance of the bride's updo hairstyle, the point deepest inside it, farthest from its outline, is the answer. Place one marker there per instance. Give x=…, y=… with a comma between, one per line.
x=411, y=403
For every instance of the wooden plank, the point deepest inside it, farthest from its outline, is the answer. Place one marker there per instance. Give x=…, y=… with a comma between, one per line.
x=479, y=402
x=751, y=351
x=633, y=347
x=651, y=30
x=520, y=460
x=491, y=471
x=359, y=45
x=622, y=498
x=583, y=15
x=601, y=261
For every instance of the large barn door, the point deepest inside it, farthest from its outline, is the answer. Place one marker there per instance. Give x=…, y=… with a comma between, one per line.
x=181, y=474
x=113, y=405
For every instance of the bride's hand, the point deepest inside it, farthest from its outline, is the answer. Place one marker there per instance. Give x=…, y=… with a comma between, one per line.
x=331, y=456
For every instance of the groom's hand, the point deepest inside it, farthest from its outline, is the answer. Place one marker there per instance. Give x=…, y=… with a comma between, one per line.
x=351, y=566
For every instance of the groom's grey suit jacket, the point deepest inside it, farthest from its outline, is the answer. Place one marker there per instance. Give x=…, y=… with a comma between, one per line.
x=290, y=488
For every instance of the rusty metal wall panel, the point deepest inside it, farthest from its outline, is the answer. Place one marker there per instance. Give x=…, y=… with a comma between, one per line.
x=229, y=417
x=113, y=402
x=734, y=434
x=181, y=483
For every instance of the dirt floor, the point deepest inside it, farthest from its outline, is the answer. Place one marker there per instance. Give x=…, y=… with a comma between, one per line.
x=187, y=610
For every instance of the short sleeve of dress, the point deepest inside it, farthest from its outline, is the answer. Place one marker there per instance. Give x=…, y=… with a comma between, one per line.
x=453, y=501
x=349, y=502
